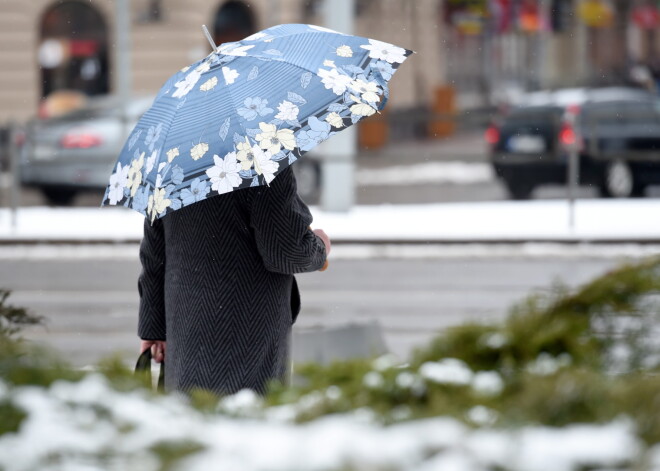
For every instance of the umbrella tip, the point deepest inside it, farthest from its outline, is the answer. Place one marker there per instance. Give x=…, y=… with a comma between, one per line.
x=209, y=38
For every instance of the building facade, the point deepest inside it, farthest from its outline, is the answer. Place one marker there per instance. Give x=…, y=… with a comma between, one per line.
x=477, y=50
x=49, y=45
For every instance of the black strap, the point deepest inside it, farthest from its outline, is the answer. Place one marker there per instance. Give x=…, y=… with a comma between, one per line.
x=143, y=368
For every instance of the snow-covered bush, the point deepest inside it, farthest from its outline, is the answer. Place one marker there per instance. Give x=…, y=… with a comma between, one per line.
x=568, y=381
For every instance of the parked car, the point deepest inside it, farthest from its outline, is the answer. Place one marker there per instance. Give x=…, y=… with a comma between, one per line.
x=76, y=152
x=616, y=132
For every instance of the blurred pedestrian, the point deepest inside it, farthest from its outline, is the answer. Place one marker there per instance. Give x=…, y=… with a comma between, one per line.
x=641, y=76
x=217, y=293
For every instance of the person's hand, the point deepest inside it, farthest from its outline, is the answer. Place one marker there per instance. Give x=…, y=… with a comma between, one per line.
x=157, y=349
x=326, y=240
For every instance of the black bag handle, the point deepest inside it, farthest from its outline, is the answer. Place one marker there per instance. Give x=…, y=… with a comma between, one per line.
x=143, y=367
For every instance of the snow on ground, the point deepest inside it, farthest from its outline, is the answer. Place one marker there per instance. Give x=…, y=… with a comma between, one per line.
x=129, y=251
x=459, y=173
x=87, y=425
x=514, y=221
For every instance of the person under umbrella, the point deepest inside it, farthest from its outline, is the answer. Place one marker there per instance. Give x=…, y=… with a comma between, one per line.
x=225, y=230
x=217, y=291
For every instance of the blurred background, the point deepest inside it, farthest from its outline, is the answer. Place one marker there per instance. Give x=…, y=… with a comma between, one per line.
x=476, y=60
x=539, y=100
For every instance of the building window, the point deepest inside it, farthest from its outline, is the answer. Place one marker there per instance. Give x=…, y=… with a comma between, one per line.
x=151, y=12
x=73, y=49
x=233, y=22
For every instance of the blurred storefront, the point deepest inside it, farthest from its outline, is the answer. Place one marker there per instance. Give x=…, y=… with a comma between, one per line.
x=472, y=53
x=69, y=45
x=498, y=48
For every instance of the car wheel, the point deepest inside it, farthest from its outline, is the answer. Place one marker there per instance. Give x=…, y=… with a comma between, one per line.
x=519, y=190
x=619, y=181
x=58, y=197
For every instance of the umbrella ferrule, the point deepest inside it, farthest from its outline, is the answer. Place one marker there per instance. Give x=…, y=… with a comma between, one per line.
x=209, y=38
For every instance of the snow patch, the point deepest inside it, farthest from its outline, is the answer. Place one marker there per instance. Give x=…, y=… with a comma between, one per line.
x=459, y=173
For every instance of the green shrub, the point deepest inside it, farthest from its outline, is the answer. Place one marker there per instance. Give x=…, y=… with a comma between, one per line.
x=569, y=356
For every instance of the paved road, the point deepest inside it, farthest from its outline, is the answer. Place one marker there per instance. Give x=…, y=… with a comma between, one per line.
x=91, y=303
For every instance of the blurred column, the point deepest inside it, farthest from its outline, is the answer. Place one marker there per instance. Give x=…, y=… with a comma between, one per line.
x=338, y=154
x=274, y=12
x=583, y=60
x=15, y=169
x=123, y=83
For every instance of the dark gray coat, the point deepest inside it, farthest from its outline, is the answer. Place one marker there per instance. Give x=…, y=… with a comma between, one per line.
x=217, y=283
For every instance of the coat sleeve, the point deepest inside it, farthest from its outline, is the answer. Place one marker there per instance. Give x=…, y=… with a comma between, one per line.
x=281, y=224
x=151, y=283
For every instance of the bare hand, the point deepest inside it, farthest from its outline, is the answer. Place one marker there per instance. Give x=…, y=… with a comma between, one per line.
x=157, y=349
x=326, y=240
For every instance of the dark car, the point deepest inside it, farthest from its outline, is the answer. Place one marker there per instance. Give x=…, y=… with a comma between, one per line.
x=616, y=132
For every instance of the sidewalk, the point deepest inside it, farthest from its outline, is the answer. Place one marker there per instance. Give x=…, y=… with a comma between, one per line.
x=464, y=146
x=487, y=222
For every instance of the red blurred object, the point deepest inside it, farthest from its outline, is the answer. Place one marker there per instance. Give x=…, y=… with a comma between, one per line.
x=646, y=17
x=529, y=16
x=19, y=138
x=80, y=140
x=83, y=47
x=492, y=135
x=42, y=112
x=573, y=109
x=567, y=135
x=502, y=11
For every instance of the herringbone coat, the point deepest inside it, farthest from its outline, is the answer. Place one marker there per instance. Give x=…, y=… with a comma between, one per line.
x=217, y=283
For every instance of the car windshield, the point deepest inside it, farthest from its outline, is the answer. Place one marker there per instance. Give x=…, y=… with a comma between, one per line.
x=532, y=114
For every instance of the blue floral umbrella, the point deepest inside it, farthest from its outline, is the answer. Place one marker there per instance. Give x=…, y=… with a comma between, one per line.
x=248, y=110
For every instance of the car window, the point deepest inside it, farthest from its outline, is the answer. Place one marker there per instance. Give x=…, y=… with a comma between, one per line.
x=603, y=114
x=622, y=113
x=641, y=113
x=533, y=114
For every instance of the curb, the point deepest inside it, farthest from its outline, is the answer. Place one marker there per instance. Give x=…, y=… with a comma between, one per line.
x=417, y=242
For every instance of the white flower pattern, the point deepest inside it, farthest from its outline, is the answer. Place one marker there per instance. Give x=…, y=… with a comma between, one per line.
x=118, y=181
x=172, y=153
x=224, y=174
x=344, y=51
x=135, y=174
x=209, y=84
x=367, y=90
x=362, y=109
x=272, y=139
x=256, y=140
x=334, y=80
x=230, y=75
x=183, y=87
x=198, y=150
x=385, y=51
x=334, y=120
x=263, y=165
x=235, y=49
x=288, y=111
x=158, y=203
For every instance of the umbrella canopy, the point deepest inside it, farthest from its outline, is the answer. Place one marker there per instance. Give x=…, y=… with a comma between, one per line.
x=248, y=110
